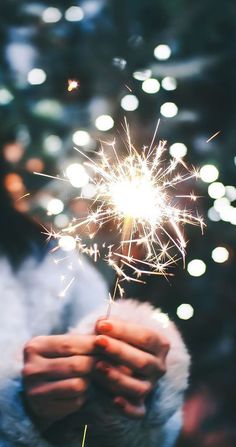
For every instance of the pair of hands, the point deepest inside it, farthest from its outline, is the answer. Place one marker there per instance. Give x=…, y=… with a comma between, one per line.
x=125, y=359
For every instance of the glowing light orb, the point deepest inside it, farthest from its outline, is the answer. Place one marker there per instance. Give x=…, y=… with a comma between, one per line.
x=169, y=109
x=220, y=255
x=74, y=14
x=142, y=75
x=104, y=123
x=67, y=243
x=51, y=15
x=178, y=150
x=77, y=175
x=196, y=267
x=213, y=214
x=37, y=76
x=5, y=96
x=168, y=83
x=209, y=173
x=55, y=206
x=151, y=86
x=162, y=52
x=185, y=311
x=81, y=138
x=216, y=190
x=129, y=103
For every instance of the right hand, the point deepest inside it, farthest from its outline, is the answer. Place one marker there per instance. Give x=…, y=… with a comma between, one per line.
x=56, y=374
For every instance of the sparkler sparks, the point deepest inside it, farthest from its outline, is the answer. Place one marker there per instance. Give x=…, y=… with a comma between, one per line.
x=72, y=85
x=137, y=192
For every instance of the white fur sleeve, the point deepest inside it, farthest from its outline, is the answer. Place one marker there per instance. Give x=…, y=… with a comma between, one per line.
x=162, y=424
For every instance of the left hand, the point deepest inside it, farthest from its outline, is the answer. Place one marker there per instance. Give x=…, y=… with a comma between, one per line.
x=134, y=359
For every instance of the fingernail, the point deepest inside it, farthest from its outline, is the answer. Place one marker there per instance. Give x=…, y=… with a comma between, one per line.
x=101, y=342
x=102, y=366
x=105, y=326
x=119, y=402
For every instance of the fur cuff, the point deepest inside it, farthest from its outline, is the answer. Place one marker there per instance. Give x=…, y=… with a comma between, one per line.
x=165, y=405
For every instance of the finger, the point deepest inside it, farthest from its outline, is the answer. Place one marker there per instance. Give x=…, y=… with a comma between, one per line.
x=58, y=368
x=144, y=338
x=118, y=383
x=139, y=361
x=59, y=346
x=63, y=389
x=130, y=409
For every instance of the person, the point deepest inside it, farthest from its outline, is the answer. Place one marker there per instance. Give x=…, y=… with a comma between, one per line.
x=65, y=365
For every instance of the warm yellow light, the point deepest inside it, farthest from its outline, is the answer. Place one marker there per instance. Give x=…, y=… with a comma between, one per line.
x=136, y=198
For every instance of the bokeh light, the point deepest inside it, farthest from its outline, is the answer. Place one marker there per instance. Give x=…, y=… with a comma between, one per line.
x=67, y=243
x=178, y=150
x=81, y=138
x=196, y=267
x=77, y=175
x=169, y=109
x=185, y=311
x=151, y=86
x=220, y=255
x=162, y=52
x=36, y=76
x=142, y=75
x=74, y=14
x=129, y=103
x=52, y=144
x=55, y=206
x=216, y=190
x=209, y=173
x=51, y=15
x=169, y=83
x=104, y=123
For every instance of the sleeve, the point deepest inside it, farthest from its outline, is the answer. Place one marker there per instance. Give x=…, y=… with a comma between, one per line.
x=161, y=425
x=46, y=313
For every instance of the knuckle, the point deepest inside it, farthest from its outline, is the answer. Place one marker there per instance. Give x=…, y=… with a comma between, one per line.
x=30, y=349
x=144, y=364
x=147, y=339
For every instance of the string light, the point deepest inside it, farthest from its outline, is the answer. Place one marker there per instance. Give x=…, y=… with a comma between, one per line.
x=74, y=14
x=36, y=76
x=168, y=83
x=77, y=175
x=55, y=206
x=209, y=173
x=162, y=52
x=216, y=190
x=220, y=255
x=81, y=138
x=51, y=15
x=129, y=103
x=151, y=86
x=104, y=122
x=185, y=311
x=196, y=267
x=178, y=150
x=169, y=109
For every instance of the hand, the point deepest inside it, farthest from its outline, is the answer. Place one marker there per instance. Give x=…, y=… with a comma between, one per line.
x=135, y=358
x=56, y=374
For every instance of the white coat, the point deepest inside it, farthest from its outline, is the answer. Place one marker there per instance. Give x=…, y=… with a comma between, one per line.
x=32, y=303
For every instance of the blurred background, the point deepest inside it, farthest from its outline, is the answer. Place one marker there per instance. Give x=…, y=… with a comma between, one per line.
x=143, y=59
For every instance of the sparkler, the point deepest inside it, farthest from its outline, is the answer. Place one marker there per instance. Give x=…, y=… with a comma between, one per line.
x=137, y=191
